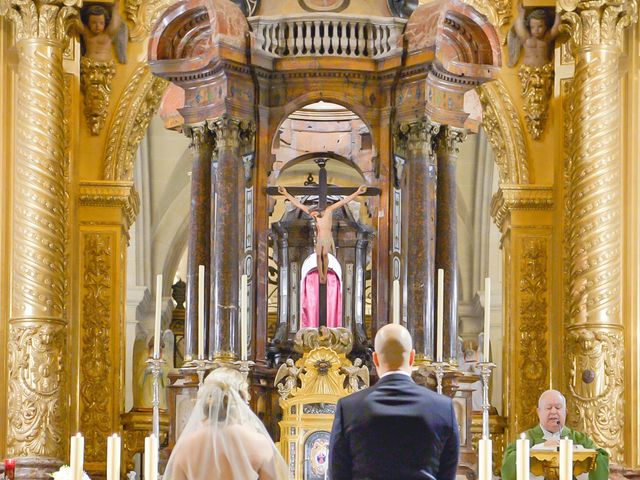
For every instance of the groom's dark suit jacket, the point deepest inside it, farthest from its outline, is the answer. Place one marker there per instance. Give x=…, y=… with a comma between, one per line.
x=395, y=430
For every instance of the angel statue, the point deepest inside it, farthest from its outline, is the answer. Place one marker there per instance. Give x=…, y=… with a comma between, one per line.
x=289, y=373
x=357, y=375
x=534, y=33
x=100, y=30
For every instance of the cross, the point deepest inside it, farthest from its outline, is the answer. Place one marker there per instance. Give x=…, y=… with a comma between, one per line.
x=322, y=190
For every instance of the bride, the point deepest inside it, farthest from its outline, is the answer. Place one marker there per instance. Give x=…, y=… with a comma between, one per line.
x=223, y=438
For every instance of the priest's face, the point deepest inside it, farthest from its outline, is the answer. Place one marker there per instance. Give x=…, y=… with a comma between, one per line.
x=552, y=411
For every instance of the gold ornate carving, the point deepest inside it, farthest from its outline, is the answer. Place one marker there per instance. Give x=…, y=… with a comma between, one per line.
x=138, y=104
x=95, y=82
x=597, y=23
x=502, y=125
x=143, y=16
x=596, y=403
x=43, y=20
x=498, y=12
x=537, y=86
x=35, y=404
x=121, y=195
x=338, y=339
x=519, y=197
x=95, y=356
x=533, y=363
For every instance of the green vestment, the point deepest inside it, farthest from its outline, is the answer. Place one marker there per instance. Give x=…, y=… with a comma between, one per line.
x=536, y=436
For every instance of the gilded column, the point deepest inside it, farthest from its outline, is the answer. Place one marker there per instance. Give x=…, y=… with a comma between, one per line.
x=38, y=411
x=416, y=142
x=199, y=234
x=594, y=334
x=449, y=142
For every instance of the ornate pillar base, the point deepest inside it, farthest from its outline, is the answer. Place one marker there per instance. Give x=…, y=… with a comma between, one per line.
x=36, y=468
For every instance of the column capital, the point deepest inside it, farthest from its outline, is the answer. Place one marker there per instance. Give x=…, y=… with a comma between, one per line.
x=450, y=138
x=413, y=136
x=232, y=133
x=49, y=20
x=121, y=195
x=519, y=197
x=597, y=23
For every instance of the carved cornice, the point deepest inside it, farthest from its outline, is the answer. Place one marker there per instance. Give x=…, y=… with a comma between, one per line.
x=41, y=20
x=504, y=130
x=138, y=104
x=120, y=195
x=519, y=197
x=600, y=23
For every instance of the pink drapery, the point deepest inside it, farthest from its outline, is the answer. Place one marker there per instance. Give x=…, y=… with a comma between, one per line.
x=310, y=315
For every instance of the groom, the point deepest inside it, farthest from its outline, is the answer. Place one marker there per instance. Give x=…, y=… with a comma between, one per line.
x=395, y=430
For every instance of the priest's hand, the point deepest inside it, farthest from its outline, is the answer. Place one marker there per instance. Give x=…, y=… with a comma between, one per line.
x=552, y=442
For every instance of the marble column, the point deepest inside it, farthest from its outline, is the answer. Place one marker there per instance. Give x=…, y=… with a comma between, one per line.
x=449, y=141
x=38, y=404
x=415, y=142
x=199, y=235
x=594, y=335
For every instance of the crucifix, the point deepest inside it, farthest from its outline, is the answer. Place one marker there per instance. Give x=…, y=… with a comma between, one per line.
x=323, y=216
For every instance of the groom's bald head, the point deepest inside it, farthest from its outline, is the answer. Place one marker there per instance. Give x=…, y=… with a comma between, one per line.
x=393, y=349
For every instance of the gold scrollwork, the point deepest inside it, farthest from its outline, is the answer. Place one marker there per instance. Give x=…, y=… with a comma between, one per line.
x=95, y=82
x=36, y=408
x=596, y=404
x=501, y=123
x=498, y=12
x=46, y=20
x=537, y=86
x=533, y=362
x=95, y=357
x=143, y=15
x=138, y=104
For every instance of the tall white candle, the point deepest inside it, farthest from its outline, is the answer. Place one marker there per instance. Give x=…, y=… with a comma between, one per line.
x=243, y=318
x=110, y=458
x=79, y=467
x=566, y=459
x=117, y=456
x=484, y=459
x=487, y=318
x=156, y=327
x=73, y=457
x=522, y=458
x=201, y=282
x=396, y=301
x=147, y=458
x=440, y=315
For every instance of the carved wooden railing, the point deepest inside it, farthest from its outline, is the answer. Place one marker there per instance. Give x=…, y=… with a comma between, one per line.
x=328, y=35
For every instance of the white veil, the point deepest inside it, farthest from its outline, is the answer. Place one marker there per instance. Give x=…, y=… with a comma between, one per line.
x=223, y=438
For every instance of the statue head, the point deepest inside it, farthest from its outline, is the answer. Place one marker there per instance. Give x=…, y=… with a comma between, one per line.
x=538, y=23
x=96, y=18
x=552, y=410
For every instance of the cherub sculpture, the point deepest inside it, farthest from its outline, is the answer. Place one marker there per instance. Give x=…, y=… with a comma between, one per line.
x=536, y=36
x=357, y=375
x=288, y=373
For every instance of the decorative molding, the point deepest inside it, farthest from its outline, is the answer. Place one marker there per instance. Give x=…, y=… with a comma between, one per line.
x=537, y=88
x=95, y=347
x=599, y=23
x=504, y=130
x=143, y=16
x=595, y=356
x=36, y=406
x=95, y=83
x=121, y=195
x=498, y=12
x=138, y=104
x=533, y=330
x=520, y=197
x=41, y=20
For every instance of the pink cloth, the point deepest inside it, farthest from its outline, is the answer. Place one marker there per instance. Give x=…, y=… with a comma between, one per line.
x=310, y=316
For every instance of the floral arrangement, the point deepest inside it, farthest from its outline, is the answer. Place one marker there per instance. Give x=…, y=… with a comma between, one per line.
x=65, y=474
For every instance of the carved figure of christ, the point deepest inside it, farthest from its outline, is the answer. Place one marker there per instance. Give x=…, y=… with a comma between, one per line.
x=324, y=223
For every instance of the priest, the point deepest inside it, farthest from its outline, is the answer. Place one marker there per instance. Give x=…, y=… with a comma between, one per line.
x=552, y=413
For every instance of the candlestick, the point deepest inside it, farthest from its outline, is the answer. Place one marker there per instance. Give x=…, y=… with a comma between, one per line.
x=522, y=458
x=9, y=468
x=440, y=311
x=565, y=470
x=487, y=318
x=151, y=447
x=243, y=318
x=201, y=283
x=484, y=459
x=156, y=329
x=396, y=301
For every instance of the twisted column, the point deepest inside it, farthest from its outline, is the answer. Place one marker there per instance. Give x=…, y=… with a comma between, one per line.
x=199, y=235
x=449, y=141
x=415, y=141
x=595, y=332
x=38, y=411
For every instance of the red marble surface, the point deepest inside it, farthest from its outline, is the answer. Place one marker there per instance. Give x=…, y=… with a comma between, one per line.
x=172, y=100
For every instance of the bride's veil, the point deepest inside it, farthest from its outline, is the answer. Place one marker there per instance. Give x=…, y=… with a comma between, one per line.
x=223, y=438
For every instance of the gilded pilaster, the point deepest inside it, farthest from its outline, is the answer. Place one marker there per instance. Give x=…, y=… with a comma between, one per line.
x=37, y=410
x=594, y=334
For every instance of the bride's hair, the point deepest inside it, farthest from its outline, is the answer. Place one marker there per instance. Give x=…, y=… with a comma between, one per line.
x=221, y=383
